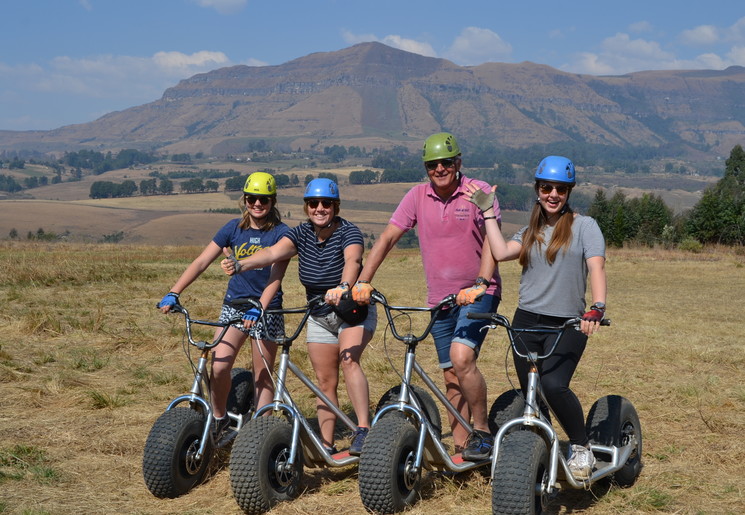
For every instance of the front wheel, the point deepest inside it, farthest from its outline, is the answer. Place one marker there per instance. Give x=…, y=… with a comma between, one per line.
x=613, y=421
x=388, y=482
x=521, y=475
x=507, y=406
x=425, y=400
x=169, y=463
x=260, y=472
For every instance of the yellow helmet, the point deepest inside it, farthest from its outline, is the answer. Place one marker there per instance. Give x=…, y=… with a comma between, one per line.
x=260, y=183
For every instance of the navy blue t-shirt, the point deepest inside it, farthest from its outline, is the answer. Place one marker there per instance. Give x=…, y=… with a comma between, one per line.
x=244, y=243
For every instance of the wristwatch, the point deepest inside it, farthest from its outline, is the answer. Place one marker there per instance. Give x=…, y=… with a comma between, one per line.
x=482, y=281
x=600, y=306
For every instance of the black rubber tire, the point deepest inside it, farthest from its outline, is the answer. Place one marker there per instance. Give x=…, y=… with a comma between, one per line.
x=507, y=406
x=241, y=396
x=612, y=420
x=428, y=404
x=168, y=465
x=385, y=482
x=257, y=474
x=522, y=466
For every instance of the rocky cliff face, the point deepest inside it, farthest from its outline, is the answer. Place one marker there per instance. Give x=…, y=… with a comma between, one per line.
x=374, y=95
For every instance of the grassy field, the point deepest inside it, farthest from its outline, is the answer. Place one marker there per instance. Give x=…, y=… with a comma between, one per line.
x=87, y=365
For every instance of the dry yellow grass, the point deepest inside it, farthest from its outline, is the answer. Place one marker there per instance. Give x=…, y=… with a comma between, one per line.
x=78, y=327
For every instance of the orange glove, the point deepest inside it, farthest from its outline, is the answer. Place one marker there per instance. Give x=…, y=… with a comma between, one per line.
x=361, y=292
x=470, y=295
x=334, y=294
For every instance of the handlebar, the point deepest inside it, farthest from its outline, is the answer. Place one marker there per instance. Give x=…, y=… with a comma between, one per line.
x=313, y=302
x=238, y=318
x=500, y=320
x=446, y=303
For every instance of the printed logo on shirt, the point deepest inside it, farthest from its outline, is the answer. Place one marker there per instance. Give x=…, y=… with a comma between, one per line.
x=462, y=213
x=244, y=250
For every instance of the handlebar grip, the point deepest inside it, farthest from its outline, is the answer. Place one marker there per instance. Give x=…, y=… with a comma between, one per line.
x=479, y=316
x=605, y=321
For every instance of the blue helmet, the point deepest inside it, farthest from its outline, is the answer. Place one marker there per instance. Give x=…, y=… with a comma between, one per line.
x=556, y=169
x=321, y=188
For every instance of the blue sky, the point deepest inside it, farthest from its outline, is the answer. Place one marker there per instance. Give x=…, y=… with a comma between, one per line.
x=72, y=61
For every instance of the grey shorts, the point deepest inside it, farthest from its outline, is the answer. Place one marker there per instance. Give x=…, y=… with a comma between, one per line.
x=326, y=328
x=270, y=327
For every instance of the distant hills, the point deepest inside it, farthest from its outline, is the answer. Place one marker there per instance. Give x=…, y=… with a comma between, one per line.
x=371, y=95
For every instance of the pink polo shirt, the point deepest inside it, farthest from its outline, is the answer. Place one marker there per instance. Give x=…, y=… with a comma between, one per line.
x=451, y=236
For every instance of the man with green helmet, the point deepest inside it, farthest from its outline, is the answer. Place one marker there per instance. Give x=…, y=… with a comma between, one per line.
x=457, y=259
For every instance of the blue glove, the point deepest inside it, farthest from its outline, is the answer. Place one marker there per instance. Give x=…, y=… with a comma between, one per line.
x=252, y=315
x=170, y=300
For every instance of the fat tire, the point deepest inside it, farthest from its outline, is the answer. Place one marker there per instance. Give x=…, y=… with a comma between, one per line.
x=390, y=448
x=260, y=449
x=509, y=405
x=428, y=404
x=612, y=421
x=168, y=465
x=521, y=469
x=241, y=396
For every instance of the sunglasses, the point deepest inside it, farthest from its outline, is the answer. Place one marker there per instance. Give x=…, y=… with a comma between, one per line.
x=446, y=163
x=251, y=200
x=546, y=188
x=314, y=203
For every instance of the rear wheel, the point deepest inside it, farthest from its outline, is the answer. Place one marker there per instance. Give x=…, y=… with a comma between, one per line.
x=169, y=463
x=425, y=400
x=388, y=482
x=521, y=475
x=241, y=396
x=613, y=421
x=260, y=472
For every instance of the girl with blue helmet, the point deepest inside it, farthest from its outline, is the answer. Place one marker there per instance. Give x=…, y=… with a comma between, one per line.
x=329, y=250
x=557, y=250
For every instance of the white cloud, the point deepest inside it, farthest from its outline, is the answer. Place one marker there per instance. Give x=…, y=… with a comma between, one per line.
x=621, y=54
x=475, y=45
x=702, y=35
x=85, y=4
x=737, y=55
x=223, y=6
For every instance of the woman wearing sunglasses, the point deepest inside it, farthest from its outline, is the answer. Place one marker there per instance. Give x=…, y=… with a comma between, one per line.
x=329, y=250
x=259, y=227
x=557, y=250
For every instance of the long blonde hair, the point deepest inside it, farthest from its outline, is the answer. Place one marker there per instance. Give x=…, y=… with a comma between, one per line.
x=273, y=218
x=561, y=237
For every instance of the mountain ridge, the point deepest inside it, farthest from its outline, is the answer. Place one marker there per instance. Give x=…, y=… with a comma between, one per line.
x=372, y=95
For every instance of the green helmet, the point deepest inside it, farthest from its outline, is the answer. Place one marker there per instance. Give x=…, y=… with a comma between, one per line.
x=260, y=183
x=440, y=146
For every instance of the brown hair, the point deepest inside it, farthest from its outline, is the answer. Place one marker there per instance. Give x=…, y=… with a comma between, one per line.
x=273, y=218
x=561, y=237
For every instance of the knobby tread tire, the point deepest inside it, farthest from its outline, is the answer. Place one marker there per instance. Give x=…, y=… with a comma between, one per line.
x=611, y=421
x=428, y=404
x=241, y=396
x=508, y=405
x=389, y=447
x=521, y=466
x=167, y=467
x=260, y=448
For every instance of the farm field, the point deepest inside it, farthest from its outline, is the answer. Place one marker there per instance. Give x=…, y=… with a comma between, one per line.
x=87, y=365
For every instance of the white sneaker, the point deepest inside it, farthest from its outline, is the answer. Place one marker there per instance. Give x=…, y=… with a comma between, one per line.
x=581, y=462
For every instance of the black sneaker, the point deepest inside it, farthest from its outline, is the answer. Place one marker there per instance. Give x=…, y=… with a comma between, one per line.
x=479, y=446
x=358, y=440
x=220, y=426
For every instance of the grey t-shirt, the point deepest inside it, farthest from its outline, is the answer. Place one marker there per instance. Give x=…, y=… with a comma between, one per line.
x=559, y=289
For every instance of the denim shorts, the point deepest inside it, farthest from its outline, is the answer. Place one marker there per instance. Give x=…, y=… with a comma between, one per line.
x=326, y=328
x=451, y=325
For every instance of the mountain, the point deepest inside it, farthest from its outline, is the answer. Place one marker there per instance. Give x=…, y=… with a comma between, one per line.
x=371, y=95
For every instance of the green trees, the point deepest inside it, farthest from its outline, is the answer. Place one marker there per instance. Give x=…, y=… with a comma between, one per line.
x=719, y=217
